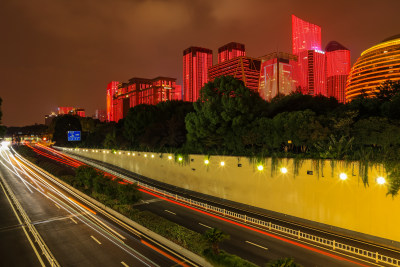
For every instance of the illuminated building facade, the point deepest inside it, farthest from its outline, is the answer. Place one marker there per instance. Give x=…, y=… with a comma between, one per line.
x=305, y=36
x=142, y=91
x=112, y=88
x=196, y=61
x=230, y=51
x=49, y=118
x=337, y=70
x=245, y=69
x=375, y=66
x=64, y=110
x=310, y=70
x=276, y=75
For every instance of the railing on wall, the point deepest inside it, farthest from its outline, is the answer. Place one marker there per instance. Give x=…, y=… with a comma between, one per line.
x=332, y=244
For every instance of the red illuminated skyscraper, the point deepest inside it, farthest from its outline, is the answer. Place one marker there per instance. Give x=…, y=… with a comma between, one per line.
x=111, y=90
x=276, y=75
x=310, y=70
x=337, y=70
x=246, y=69
x=305, y=36
x=196, y=61
x=230, y=51
x=64, y=110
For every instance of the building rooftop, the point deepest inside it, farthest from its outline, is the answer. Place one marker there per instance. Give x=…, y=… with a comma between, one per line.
x=334, y=46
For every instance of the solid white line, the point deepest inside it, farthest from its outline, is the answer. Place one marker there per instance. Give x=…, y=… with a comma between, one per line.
x=72, y=219
x=205, y=225
x=94, y=238
x=257, y=245
x=170, y=212
x=123, y=263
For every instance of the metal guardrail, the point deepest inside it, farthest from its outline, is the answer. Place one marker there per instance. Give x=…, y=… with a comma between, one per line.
x=375, y=256
x=38, y=239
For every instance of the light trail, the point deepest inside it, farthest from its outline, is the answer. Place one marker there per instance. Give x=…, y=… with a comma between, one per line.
x=257, y=230
x=71, y=210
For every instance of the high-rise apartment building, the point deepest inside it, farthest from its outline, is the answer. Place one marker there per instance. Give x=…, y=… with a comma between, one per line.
x=245, y=69
x=230, y=51
x=276, y=75
x=112, y=88
x=306, y=44
x=196, y=61
x=140, y=91
x=337, y=70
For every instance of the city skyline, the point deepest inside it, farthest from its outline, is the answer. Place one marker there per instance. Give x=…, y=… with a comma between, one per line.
x=55, y=54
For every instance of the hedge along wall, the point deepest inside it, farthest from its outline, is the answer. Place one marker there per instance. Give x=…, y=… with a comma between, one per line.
x=310, y=190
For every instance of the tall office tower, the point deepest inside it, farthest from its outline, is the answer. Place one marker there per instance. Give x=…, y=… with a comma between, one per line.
x=246, y=69
x=276, y=75
x=112, y=88
x=337, y=70
x=230, y=51
x=196, y=61
x=306, y=44
x=305, y=36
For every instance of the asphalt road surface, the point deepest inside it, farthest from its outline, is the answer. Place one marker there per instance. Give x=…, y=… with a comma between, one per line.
x=75, y=234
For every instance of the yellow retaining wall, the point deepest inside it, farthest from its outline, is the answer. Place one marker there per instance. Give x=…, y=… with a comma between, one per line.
x=322, y=197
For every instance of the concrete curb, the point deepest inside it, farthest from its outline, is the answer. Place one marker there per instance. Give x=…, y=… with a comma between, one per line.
x=160, y=239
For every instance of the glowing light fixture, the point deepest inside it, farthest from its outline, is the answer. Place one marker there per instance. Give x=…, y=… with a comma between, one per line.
x=343, y=176
x=180, y=158
x=145, y=155
x=260, y=167
x=129, y=153
x=222, y=163
x=152, y=156
x=381, y=180
x=283, y=170
x=169, y=157
x=206, y=161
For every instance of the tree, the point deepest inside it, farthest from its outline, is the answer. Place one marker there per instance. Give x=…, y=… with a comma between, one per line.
x=214, y=237
x=63, y=124
x=223, y=114
x=387, y=90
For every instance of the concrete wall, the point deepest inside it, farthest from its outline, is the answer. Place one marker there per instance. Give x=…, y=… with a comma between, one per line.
x=320, y=197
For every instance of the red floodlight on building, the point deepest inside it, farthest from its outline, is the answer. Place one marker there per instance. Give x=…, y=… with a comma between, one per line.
x=196, y=61
x=337, y=69
x=64, y=110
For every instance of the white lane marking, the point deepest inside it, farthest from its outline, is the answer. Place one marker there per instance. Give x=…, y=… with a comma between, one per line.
x=170, y=212
x=94, y=238
x=57, y=206
x=205, y=225
x=123, y=263
x=257, y=245
x=72, y=219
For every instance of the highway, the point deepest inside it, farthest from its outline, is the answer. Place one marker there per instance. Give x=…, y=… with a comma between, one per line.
x=77, y=235
x=255, y=245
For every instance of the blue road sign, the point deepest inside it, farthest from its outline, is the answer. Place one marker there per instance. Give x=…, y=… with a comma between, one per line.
x=74, y=135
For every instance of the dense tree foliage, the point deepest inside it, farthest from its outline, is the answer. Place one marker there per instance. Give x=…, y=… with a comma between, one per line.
x=223, y=116
x=63, y=124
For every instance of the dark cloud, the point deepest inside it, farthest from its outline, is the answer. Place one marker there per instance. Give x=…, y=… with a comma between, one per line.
x=64, y=52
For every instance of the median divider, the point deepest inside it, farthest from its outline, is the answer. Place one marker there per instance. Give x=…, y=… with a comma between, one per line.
x=313, y=239
x=156, y=238
x=37, y=237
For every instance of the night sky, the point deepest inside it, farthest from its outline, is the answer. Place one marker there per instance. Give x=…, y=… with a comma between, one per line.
x=64, y=52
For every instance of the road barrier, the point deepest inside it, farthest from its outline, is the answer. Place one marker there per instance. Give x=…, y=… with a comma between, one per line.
x=38, y=239
x=328, y=243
